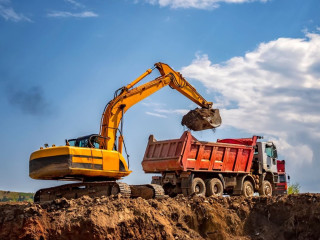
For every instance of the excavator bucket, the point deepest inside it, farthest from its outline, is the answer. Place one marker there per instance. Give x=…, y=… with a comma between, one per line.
x=202, y=119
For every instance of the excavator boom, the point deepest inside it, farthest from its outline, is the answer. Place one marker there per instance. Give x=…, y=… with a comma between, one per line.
x=94, y=160
x=129, y=96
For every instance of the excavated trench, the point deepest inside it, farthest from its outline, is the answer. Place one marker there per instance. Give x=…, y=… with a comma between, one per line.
x=280, y=217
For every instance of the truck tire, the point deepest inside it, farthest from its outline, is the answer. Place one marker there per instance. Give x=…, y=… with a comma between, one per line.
x=247, y=189
x=214, y=187
x=197, y=187
x=266, y=189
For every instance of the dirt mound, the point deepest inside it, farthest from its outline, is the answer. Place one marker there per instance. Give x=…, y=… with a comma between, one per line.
x=283, y=217
x=202, y=119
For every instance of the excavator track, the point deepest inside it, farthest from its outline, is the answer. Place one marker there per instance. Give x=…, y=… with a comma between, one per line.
x=98, y=189
x=121, y=188
x=158, y=191
x=147, y=191
x=77, y=190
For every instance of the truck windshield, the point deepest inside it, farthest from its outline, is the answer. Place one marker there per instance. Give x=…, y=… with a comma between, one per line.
x=271, y=152
x=282, y=178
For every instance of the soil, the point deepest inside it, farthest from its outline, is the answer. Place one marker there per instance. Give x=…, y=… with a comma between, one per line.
x=202, y=119
x=279, y=217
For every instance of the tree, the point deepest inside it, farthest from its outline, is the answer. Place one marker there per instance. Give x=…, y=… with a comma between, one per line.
x=294, y=188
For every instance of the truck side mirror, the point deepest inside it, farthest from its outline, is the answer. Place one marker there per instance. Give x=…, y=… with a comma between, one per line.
x=275, y=153
x=288, y=177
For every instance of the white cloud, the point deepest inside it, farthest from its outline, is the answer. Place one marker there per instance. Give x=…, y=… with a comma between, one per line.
x=9, y=14
x=273, y=91
x=199, y=4
x=75, y=3
x=159, y=110
x=63, y=14
x=163, y=113
x=67, y=14
x=172, y=111
x=156, y=115
x=149, y=103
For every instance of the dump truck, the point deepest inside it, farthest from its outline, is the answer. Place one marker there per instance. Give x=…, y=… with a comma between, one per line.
x=282, y=185
x=97, y=160
x=229, y=166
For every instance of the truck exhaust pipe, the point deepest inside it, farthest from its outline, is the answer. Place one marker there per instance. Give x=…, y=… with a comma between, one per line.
x=202, y=119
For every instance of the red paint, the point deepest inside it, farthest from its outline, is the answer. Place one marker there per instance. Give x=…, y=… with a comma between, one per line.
x=187, y=153
x=282, y=186
x=281, y=165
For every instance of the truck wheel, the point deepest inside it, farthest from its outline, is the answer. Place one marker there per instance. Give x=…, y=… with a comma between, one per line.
x=197, y=187
x=247, y=190
x=214, y=187
x=266, y=189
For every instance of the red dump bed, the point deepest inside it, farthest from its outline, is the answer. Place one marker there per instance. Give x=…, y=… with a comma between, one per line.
x=189, y=154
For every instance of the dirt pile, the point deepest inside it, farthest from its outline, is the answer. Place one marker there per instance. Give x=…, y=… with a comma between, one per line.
x=202, y=119
x=282, y=217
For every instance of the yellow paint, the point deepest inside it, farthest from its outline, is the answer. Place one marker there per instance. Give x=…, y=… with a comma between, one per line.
x=88, y=159
x=130, y=96
x=110, y=162
x=111, y=118
x=48, y=152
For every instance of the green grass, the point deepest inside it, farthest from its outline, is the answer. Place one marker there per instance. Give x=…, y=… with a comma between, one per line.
x=7, y=196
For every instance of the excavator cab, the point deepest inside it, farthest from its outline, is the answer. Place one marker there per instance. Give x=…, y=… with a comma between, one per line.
x=95, y=158
x=90, y=141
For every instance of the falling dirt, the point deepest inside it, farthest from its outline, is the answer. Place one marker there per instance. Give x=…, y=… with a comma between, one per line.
x=259, y=218
x=202, y=119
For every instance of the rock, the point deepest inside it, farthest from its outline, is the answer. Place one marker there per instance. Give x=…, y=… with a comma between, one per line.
x=202, y=119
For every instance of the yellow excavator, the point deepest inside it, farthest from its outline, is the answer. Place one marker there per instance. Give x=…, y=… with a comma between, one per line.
x=96, y=160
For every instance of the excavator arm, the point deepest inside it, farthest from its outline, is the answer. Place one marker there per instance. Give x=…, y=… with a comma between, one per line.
x=98, y=169
x=129, y=95
x=179, y=83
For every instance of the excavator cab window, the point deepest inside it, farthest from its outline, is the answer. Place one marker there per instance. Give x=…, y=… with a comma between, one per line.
x=94, y=141
x=90, y=141
x=72, y=142
x=83, y=142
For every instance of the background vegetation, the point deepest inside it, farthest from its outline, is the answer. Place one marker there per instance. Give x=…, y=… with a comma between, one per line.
x=7, y=196
x=294, y=188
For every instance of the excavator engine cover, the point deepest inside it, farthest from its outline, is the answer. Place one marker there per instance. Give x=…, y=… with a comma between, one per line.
x=202, y=119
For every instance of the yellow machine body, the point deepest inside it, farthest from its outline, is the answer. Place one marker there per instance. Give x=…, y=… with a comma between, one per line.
x=104, y=161
x=67, y=162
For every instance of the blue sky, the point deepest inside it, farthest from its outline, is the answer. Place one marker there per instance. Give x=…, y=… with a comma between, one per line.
x=61, y=61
